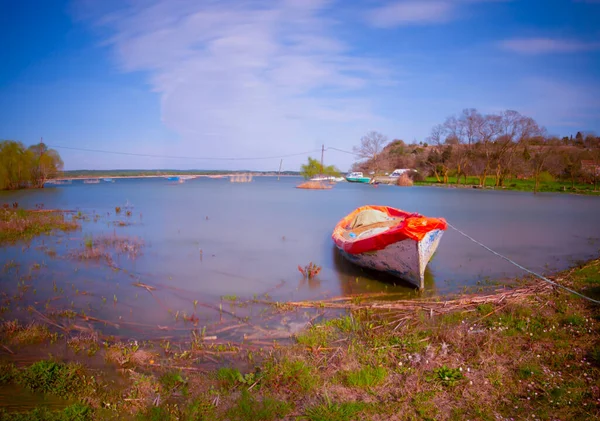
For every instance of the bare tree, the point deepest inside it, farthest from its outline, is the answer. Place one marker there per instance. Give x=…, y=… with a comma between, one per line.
x=487, y=132
x=540, y=157
x=371, y=146
x=514, y=131
x=470, y=122
x=438, y=159
x=571, y=161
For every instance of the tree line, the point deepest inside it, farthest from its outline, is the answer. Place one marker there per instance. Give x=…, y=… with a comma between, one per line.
x=501, y=146
x=31, y=167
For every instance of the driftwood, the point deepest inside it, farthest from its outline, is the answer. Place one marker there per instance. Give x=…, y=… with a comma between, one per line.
x=440, y=307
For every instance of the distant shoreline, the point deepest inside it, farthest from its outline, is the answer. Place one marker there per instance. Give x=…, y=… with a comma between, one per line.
x=189, y=176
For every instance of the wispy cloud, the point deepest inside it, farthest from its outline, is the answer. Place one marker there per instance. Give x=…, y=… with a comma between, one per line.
x=412, y=13
x=578, y=106
x=546, y=45
x=258, y=76
x=421, y=12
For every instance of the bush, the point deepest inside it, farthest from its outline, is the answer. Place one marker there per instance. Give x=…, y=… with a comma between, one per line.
x=417, y=176
x=404, y=181
x=51, y=377
x=546, y=177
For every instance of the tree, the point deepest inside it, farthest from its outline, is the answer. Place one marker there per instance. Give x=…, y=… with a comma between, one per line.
x=438, y=159
x=370, y=147
x=46, y=164
x=487, y=132
x=313, y=168
x=572, y=166
x=22, y=168
x=515, y=130
x=541, y=158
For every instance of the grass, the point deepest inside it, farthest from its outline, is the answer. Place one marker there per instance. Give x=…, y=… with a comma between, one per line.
x=529, y=355
x=366, y=377
x=343, y=411
x=75, y=412
x=19, y=224
x=519, y=185
x=248, y=408
x=59, y=379
x=33, y=333
x=289, y=375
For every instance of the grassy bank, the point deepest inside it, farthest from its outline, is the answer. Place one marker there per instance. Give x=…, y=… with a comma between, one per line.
x=517, y=185
x=20, y=224
x=531, y=352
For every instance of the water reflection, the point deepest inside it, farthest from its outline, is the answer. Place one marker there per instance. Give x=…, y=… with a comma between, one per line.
x=354, y=279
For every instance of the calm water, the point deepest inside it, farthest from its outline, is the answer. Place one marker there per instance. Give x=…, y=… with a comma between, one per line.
x=209, y=238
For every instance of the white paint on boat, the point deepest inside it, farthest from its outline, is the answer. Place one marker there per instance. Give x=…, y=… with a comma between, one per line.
x=405, y=259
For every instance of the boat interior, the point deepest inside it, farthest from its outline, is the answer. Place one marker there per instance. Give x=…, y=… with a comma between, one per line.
x=368, y=223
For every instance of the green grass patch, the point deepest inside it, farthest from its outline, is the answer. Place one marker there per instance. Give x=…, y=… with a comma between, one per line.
x=76, y=412
x=200, y=409
x=231, y=377
x=337, y=411
x=573, y=320
x=484, y=309
x=46, y=376
x=421, y=402
x=7, y=373
x=346, y=324
x=528, y=371
x=173, y=381
x=317, y=336
x=290, y=375
x=248, y=408
x=365, y=378
x=546, y=184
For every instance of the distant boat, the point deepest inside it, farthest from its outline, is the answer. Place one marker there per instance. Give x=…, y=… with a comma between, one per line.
x=175, y=178
x=389, y=240
x=108, y=180
x=357, y=177
x=91, y=181
x=327, y=178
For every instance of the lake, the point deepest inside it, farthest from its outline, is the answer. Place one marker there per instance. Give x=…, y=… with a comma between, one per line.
x=220, y=243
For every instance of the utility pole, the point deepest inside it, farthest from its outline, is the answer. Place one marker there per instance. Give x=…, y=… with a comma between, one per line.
x=322, y=152
x=279, y=173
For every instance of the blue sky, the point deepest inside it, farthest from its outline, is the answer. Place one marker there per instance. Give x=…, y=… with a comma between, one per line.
x=256, y=78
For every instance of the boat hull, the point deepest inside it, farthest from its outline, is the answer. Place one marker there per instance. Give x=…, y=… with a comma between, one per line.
x=406, y=259
x=358, y=179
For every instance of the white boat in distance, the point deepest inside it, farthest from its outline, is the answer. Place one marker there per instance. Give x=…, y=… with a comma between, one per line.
x=327, y=178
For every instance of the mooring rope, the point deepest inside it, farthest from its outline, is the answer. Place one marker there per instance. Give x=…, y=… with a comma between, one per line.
x=543, y=278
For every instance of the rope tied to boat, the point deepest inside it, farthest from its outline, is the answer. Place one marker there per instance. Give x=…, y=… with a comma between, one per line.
x=543, y=278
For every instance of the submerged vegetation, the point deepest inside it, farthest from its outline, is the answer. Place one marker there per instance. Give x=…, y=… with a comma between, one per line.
x=20, y=224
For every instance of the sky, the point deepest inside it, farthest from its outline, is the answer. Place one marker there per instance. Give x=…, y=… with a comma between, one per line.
x=241, y=84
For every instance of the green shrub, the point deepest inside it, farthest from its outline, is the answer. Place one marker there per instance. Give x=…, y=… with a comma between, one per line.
x=52, y=377
x=448, y=376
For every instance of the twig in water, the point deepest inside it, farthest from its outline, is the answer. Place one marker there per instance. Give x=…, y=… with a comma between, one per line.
x=8, y=349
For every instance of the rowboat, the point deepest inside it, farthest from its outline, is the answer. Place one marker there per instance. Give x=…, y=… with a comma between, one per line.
x=389, y=240
x=357, y=177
